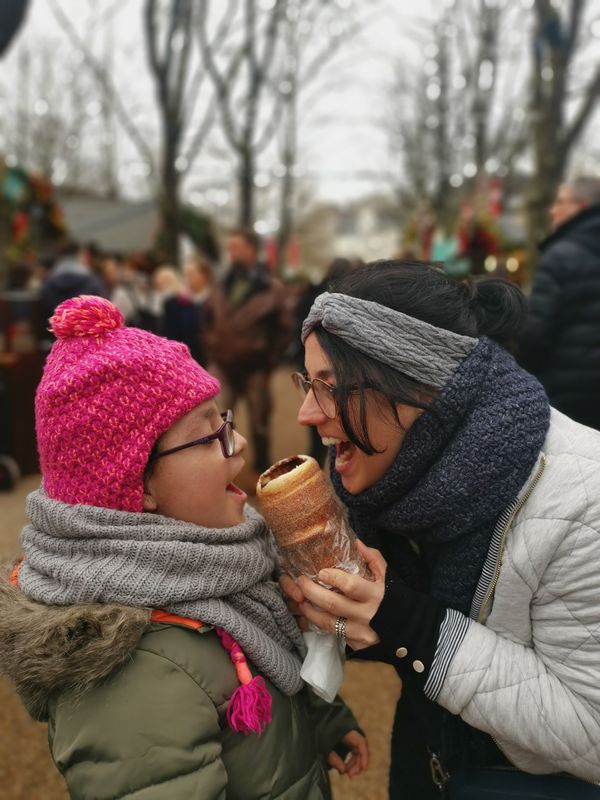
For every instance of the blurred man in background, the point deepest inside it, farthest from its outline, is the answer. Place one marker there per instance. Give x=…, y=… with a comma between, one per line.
x=246, y=332
x=70, y=276
x=561, y=344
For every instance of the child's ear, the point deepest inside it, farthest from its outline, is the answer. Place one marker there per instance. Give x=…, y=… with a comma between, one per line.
x=149, y=502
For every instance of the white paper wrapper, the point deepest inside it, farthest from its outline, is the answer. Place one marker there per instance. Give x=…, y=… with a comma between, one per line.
x=323, y=666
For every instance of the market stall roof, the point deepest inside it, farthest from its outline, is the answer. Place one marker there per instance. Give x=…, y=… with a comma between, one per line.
x=112, y=224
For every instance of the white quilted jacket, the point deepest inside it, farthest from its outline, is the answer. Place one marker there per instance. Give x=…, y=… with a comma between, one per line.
x=525, y=667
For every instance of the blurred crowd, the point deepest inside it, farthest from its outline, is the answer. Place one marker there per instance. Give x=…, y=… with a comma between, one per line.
x=241, y=321
x=156, y=297
x=237, y=318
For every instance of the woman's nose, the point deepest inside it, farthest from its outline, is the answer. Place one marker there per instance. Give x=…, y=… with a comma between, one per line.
x=310, y=412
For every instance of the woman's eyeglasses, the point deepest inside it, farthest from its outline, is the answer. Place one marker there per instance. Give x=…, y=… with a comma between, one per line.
x=324, y=393
x=224, y=434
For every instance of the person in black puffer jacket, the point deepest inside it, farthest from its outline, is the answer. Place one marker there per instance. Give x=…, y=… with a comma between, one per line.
x=561, y=342
x=70, y=276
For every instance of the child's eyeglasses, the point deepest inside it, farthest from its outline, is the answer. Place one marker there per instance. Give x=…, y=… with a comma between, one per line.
x=323, y=392
x=224, y=434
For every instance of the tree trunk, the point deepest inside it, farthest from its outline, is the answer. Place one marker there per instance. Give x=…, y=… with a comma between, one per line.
x=170, y=72
x=290, y=147
x=246, y=188
x=441, y=197
x=286, y=219
x=169, y=200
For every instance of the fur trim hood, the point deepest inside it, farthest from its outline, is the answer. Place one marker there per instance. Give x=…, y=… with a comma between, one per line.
x=47, y=650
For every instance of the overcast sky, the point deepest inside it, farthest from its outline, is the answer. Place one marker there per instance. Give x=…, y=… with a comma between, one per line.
x=342, y=136
x=342, y=144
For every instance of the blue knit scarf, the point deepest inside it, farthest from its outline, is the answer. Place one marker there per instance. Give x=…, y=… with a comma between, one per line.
x=461, y=464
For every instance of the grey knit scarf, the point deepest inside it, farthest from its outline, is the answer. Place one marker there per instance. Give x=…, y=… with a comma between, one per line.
x=83, y=554
x=425, y=353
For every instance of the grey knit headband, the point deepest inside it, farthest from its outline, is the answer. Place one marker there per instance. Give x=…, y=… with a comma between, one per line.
x=425, y=353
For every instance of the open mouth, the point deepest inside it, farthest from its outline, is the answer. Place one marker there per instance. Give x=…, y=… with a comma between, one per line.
x=231, y=488
x=344, y=451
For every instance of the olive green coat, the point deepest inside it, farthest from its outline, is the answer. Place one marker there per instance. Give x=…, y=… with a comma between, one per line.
x=153, y=727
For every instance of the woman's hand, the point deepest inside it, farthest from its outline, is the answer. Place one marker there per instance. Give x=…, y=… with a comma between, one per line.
x=356, y=599
x=292, y=592
x=358, y=759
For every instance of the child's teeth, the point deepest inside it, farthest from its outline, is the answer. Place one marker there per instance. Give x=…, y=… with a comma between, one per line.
x=328, y=440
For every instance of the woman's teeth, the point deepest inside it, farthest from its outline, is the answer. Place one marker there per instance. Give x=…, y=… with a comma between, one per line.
x=343, y=453
x=344, y=450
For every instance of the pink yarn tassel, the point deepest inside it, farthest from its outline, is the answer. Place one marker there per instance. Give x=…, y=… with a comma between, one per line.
x=249, y=707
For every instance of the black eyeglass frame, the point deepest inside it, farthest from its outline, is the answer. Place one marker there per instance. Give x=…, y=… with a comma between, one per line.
x=303, y=382
x=225, y=437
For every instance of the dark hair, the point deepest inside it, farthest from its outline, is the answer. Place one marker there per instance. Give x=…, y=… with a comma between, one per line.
x=493, y=307
x=249, y=236
x=67, y=247
x=149, y=468
x=338, y=269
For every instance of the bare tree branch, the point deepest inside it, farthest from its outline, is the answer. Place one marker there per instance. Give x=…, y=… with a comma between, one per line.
x=258, y=76
x=202, y=132
x=180, y=71
x=223, y=83
x=584, y=112
x=106, y=83
x=218, y=42
x=270, y=40
x=574, y=24
x=108, y=14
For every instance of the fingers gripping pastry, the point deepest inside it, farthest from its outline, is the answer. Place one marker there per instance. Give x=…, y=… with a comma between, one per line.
x=308, y=523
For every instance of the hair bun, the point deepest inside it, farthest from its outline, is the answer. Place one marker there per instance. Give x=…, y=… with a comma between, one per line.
x=500, y=309
x=86, y=315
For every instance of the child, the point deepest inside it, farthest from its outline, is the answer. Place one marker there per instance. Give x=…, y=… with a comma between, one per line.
x=145, y=582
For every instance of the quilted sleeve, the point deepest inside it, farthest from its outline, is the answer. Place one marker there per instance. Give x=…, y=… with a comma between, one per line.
x=540, y=700
x=148, y=733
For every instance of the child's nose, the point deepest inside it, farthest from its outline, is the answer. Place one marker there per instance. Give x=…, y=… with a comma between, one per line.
x=240, y=443
x=310, y=412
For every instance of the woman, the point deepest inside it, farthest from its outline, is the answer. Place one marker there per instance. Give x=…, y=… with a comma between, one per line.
x=183, y=311
x=481, y=508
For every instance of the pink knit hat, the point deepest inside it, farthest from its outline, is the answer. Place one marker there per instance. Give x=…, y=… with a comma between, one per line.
x=107, y=393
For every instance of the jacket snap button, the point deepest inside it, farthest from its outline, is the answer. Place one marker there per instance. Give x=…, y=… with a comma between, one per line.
x=401, y=652
x=418, y=666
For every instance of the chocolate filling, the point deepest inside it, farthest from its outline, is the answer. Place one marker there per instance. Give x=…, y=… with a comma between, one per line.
x=281, y=468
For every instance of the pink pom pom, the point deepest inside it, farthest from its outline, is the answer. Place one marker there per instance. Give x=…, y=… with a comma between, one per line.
x=86, y=315
x=249, y=708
